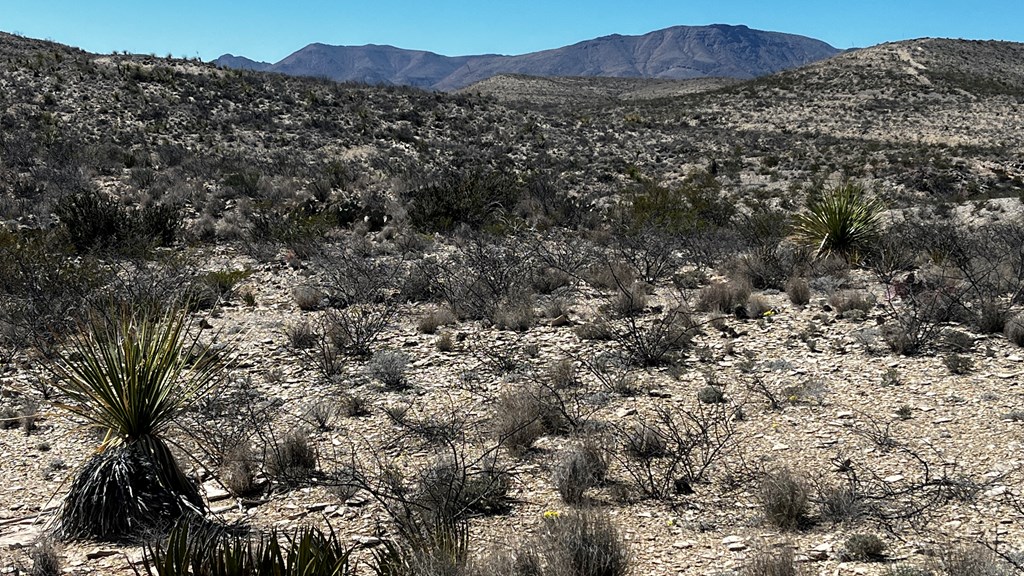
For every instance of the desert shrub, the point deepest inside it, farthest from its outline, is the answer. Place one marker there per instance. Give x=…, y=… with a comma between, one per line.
x=1014, y=329
x=45, y=557
x=562, y=374
x=838, y=504
x=610, y=275
x=841, y=222
x=238, y=471
x=756, y=307
x=723, y=297
x=958, y=364
x=434, y=319
x=301, y=335
x=798, y=290
x=355, y=329
x=711, y=395
x=630, y=300
x=666, y=455
x=656, y=340
x=784, y=500
x=902, y=569
x=91, y=220
x=445, y=342
x=388, y=367
x=583, y=543
x=578, y=469
x=515, y=314
x=972, y=560
x=768, y=267
x=222, y=283
x=484, y=275
x=456, y=487
x=846, y=300
x=134, y=379
x=522, y=416
x=290, y=460
x=863, y=548
x=475, y=198
x=774, y=561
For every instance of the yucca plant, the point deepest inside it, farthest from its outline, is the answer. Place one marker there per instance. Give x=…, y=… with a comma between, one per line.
x=843, y=222
x=132, y=376
x=208, y=550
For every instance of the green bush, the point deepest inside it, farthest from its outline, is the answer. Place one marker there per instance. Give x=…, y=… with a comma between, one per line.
x=132, y=377
x=842, y=222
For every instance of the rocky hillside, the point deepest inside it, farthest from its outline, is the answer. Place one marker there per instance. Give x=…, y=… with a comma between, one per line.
x=495, y=329
x=679, y=52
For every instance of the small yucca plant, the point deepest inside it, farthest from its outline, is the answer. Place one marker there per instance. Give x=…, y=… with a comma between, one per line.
x=843, y=222
x=211, y=550
x=132, y=376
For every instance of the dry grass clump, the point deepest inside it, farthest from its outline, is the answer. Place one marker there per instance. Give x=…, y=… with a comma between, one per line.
x=784, y=500
x=583, y=543
x=771, y=561
x=578, y=469
x=308, y=298
x=434, y=319
x=798, y=290
x=724, y=297
x=846, y=300
x=522, y=416
x=292, y=459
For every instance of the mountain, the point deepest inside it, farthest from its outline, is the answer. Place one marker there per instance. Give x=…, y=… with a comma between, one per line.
x=680, y=52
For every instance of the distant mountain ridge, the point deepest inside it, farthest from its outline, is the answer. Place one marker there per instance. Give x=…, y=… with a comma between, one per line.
x=680, y=52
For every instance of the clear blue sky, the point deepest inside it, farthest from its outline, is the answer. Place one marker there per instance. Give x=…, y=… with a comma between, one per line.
x=270, y=30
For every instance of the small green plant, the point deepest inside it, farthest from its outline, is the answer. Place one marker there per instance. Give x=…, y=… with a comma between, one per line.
x=388, y=367
x=841, y=222
x=863, y=548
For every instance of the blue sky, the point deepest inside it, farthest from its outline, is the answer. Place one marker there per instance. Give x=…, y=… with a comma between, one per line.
x=270, y=30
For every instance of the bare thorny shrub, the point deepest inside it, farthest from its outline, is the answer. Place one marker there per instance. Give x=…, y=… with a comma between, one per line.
x=484, y=277
x=673, y=450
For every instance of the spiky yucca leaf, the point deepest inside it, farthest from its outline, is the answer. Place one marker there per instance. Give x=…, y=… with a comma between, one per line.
x=843, y=222
x=135, y=378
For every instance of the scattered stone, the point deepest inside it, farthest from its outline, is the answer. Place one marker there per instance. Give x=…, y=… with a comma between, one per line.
x=367, y=541
x=97, y=553
x=734, y=543
x=893, y=478
x=820, y=552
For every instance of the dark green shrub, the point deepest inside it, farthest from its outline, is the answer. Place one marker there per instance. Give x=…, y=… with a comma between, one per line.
x=863, y=548
x=475, y=198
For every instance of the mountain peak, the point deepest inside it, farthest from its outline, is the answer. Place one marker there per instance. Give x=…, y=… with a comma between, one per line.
x=678, y=52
